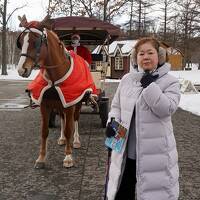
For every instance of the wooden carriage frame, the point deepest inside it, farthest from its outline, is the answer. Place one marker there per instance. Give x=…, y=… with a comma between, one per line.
x=93, y=32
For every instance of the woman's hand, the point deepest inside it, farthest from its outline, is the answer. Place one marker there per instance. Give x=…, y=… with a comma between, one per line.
x=147, y=79
x=109, y=130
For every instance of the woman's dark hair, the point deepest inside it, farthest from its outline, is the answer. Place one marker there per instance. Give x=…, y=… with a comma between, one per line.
x=162, y=54
x=155, y=43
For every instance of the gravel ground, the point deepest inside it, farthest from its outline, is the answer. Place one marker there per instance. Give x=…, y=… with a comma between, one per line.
x=19, y=146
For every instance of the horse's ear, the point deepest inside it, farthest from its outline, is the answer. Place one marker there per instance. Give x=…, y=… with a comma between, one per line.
x=23, y=21
x=46, y=23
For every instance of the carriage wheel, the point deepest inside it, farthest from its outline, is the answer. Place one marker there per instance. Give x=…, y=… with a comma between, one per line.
x=103, y=110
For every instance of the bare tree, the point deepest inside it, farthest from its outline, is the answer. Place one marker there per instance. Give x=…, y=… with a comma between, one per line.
x=167, y=7
x=4, y=18
x=175, y=30
x=142, y=8
x=101, y=9
x=64, y=8
x=131, y=16
x=140, y=22
x=4, y=49
x=52, y=7
x=190, y=25
x=11, y=46
x=116, y=7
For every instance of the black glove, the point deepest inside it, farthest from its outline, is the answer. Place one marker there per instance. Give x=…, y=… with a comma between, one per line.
x=110, y=131
x=147, y=79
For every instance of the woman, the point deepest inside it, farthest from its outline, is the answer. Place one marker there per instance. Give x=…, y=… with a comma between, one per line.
x=144, y=102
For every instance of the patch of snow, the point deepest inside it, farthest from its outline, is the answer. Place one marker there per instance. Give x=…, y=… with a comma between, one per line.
x=188, y=102
x=13, y=75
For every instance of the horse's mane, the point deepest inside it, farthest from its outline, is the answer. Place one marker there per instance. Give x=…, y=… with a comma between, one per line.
x=50, y=34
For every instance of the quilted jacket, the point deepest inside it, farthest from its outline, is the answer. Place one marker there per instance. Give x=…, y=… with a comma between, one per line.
x=157, y=159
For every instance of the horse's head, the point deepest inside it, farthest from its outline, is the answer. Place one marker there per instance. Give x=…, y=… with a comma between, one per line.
x=32, y=42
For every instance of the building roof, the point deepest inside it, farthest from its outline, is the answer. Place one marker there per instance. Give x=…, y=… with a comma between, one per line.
x=124, y=46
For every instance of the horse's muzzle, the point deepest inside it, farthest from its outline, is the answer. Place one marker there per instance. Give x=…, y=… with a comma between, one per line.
x=24, y=72
x=27, y=73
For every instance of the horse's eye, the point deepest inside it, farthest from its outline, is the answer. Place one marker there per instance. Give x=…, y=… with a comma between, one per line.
x=37, y=43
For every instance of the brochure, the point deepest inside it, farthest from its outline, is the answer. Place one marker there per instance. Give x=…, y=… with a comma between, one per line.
x=116, y=142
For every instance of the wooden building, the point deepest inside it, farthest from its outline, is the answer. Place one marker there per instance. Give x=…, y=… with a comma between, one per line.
x=120, y=53
x=175, y=57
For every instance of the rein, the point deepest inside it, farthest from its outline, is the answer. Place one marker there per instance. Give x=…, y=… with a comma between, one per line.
x=51, y=66
x=38, y=44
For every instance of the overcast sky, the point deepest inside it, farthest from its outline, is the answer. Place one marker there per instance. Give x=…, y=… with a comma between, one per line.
x=35, y=10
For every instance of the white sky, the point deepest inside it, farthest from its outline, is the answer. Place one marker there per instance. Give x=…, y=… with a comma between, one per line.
x=34, y=10
x=188, y=102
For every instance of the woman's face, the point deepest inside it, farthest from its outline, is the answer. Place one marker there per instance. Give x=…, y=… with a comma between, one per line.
x=147, y=57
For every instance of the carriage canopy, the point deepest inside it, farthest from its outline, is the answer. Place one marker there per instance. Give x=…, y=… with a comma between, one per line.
x=91, y=30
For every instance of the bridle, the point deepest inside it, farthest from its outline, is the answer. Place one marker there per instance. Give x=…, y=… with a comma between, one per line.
x=42, y=39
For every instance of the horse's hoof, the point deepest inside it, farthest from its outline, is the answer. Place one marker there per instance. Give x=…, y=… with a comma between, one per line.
x=39, y=165
x=68, y=161
x=61, y=142
x=68, y=164
x=76, y=145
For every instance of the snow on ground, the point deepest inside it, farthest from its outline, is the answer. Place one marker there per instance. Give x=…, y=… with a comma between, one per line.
x=13, y=75
x=191, y=103
x=188, y=102
x=191, y=75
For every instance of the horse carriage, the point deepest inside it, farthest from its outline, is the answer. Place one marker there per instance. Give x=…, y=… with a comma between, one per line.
x=93, y=33
x=64, y=79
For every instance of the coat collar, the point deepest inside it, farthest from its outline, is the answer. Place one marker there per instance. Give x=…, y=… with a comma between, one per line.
x=164, y=69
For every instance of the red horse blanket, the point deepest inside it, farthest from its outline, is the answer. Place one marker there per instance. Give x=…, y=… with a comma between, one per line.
x=71, y=88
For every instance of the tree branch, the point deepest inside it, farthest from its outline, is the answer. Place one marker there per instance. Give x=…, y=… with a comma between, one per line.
x=9, y=16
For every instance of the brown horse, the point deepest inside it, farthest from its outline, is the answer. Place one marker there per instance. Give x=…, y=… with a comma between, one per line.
x=42, y=47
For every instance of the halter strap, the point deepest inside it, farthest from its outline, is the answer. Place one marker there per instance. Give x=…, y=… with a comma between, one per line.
x=42, y=39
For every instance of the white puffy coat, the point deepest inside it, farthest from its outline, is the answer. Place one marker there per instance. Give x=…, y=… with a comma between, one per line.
x=157, y=159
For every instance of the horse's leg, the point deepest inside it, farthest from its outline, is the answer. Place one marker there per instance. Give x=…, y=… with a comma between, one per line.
x=69, y=129
x=76, y=142
x=62, y=139
x=40, y=162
